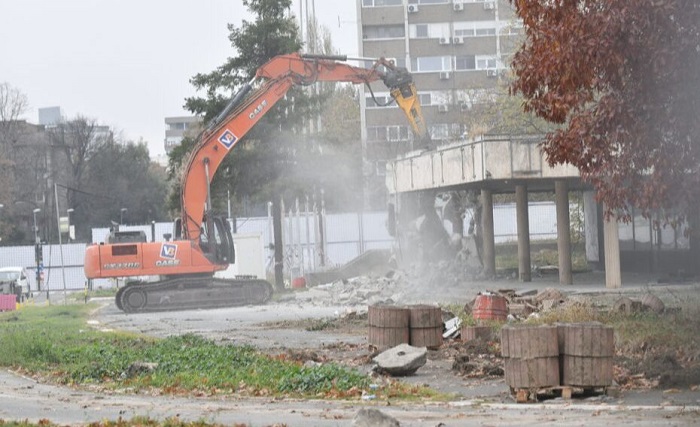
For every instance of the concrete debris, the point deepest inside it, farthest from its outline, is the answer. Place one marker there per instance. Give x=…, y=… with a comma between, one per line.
x=525, y=304
x=138, y=368
x=401, y=360
x=399, y=288
x=549, y=294
x=371, y=417
x=649, y=302
x=653, y=303
x=452, y=328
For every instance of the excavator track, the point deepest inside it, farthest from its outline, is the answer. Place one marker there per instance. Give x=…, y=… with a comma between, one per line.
x=191, y=293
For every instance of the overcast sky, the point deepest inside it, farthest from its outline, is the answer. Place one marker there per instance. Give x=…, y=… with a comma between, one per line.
x=127, y=63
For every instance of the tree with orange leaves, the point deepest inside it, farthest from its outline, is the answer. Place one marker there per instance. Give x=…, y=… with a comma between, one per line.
x=623, y=77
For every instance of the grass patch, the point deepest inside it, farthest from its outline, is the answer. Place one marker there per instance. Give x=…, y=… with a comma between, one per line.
x=57, y=342
x=541, y=254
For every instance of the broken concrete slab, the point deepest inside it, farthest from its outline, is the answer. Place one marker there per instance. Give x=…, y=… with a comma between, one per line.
x=372, y=261
x=452, y=327
x=138, y=368
x=371, y=417
x=401, y=360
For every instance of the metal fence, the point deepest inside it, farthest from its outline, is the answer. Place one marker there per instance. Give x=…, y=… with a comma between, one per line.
x=345, y=236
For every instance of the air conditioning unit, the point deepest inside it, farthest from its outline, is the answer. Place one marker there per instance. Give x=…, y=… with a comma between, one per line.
x=412, y=8
x=458, y=40
x=443, y=108
x=489, y=5
x=444, y=75
x=444, y=40
x=458, y=7
x=492, y=73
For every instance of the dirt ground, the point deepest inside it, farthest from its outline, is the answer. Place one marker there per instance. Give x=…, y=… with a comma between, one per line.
x=308, y=328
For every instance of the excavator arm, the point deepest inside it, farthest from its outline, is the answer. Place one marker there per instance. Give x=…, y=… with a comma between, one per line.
x=250, y=104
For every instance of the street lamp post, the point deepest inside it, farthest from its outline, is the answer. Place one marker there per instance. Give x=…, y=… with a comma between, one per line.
x=121, y=215
x=38, y=252
x=36, y=229
x=69, y=211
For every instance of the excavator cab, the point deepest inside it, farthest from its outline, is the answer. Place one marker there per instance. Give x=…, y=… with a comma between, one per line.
x=219, y=233
x=216, y=239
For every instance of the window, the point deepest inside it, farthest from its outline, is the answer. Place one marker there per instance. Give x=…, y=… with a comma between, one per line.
x=377, y=3
x=172, y=141
x=470, y=97
x=377, y=134
x=467, y=62
x=431, y=63
x=422, y=31
x=379, y=101
x=177, y=126
x=399, y=62
x=474, y=29
x=426, y=31
x=425, y=99
x=511, y=30
x=439, y=131
x=486, y=63
x=485, y=32
x=428, y=1
x=377, y=32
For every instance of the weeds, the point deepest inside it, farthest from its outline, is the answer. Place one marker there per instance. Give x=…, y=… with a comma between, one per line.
x=56, y=341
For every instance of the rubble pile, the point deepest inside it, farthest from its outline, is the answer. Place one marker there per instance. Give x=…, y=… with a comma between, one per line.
x=396, y=288
x=357, y=291
x=648, y=302
x=521, y=305
x=478, y=358
x=417, y=283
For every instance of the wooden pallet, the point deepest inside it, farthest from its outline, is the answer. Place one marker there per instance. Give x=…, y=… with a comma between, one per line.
x=524, y=395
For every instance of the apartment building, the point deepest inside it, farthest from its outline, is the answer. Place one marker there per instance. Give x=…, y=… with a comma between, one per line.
x=177, y=128
x=457, y=50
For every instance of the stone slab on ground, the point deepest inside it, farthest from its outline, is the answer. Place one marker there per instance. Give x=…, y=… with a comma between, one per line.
x=401, y=360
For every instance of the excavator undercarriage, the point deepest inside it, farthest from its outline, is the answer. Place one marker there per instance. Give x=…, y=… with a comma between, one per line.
x=197, y=292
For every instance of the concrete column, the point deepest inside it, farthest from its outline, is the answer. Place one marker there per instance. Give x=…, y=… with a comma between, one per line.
x=521, y=208
x=611, y=238
x=561, y=189
x=590, y=222
x=488, y=240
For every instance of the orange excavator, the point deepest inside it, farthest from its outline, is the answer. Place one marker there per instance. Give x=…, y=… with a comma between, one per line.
x=202, y=243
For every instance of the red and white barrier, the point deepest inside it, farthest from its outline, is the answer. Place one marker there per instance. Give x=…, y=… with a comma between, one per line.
x=8, y=302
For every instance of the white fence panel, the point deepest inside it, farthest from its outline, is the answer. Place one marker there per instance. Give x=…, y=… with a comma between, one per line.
x=346, y=237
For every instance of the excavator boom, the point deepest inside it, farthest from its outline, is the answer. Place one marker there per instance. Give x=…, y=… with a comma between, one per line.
x=249, y=105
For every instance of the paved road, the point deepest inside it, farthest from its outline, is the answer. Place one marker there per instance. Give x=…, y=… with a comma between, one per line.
x=25, y=399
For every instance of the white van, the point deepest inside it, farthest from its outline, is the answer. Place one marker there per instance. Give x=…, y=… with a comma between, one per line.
x=13, y=280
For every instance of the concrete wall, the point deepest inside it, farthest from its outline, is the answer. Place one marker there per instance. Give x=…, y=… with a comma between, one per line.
x=472, y=162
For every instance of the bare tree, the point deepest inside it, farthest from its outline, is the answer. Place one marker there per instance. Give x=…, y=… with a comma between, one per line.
x=78, y=139
x=13, y=104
